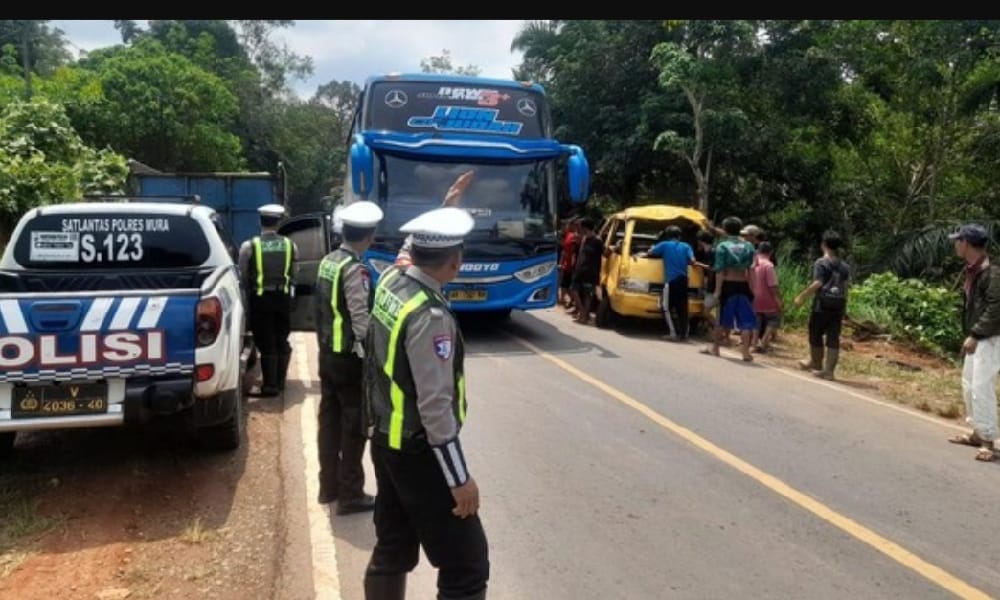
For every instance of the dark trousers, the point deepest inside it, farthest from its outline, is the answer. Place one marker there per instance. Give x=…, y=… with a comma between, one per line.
x=413, y=509
x=677, y=301
x=825, y=324
x=341, y=439
x=270, y=323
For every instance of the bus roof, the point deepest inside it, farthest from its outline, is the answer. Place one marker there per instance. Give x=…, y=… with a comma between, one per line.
x=456, y=79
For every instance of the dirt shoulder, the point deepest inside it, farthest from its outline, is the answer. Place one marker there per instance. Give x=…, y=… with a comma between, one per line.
x=884, y=369
x=143, y=513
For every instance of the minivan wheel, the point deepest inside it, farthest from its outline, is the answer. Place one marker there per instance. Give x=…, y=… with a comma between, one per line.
x=605, y=314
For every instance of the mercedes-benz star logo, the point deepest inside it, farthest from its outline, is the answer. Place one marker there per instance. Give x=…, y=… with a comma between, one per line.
x=395, y=98
x=526, y=106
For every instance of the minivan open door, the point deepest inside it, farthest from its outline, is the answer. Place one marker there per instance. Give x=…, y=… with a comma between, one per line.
x=312, y=236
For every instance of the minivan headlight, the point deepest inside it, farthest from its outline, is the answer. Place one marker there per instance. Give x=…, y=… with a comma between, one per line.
x=634, y=285
x=536, y=272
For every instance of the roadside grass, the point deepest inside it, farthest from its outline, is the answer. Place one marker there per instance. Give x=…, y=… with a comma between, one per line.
x=195, y=533
x=20, y=518
x=903, y=375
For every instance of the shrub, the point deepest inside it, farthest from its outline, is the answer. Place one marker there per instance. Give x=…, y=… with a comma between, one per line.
x=910, y=308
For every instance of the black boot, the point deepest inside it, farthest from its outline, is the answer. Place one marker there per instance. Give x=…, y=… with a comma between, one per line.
x=385, y=587
x=269, y=371
x=283, y=360
x=477, y=596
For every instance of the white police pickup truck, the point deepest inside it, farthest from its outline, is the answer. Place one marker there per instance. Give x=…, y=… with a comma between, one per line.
x=112, y=313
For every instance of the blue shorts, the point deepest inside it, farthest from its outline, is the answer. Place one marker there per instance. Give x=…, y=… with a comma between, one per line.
x=737, y=313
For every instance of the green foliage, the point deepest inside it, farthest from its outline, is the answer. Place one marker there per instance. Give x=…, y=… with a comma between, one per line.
x=157, y=107
x=44, y=161
x=911, y=308
x=793, y=277
x=443, y=64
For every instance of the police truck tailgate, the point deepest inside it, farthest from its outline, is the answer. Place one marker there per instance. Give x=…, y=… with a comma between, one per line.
x=72, y=354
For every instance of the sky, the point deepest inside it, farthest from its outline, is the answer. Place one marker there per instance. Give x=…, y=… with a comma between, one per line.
x=353, y=50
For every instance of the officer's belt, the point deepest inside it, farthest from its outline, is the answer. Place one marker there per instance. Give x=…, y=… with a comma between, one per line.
x=414, y=445
x=275, y=289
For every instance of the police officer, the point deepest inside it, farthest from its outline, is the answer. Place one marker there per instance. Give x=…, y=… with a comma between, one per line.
x=416, y=405
x=265, y=263
x=343, y=301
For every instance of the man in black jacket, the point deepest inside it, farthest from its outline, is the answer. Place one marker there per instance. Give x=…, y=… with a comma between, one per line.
x=981, y=349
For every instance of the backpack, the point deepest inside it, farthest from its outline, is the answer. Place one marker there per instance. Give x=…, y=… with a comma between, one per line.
x=833, y=295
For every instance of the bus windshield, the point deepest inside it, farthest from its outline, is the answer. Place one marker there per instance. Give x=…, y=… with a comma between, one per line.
x=507, y=200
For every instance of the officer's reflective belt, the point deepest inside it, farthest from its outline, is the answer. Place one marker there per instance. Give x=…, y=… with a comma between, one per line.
x=396, y=419
x=338, y=319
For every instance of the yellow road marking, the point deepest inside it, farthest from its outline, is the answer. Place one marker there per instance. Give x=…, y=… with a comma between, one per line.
x=891, y=549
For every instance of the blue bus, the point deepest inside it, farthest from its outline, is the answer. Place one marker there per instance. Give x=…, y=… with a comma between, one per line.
x=414, y=134
x=411, y=137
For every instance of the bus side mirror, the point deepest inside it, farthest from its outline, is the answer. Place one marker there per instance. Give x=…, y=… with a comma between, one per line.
x=362, y=170
x=579, y=174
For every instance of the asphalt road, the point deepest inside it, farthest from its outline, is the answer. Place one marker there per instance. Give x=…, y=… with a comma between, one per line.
x=613, y=464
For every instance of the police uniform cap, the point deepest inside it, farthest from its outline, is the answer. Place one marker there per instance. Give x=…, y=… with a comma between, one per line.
x=439, y=228
x=274, y=211
x=362, y=214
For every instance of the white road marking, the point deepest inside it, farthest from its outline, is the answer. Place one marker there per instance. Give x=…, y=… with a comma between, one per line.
x=843, y=390
x=326, y=580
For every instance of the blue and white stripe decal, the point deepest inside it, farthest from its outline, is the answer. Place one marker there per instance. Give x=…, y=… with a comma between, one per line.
x=81, y=337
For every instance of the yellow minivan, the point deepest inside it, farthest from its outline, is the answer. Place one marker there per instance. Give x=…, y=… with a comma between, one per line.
x=632, y=285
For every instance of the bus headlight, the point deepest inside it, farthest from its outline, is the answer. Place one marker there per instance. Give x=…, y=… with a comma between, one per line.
x=379, y=265
x=536, y=272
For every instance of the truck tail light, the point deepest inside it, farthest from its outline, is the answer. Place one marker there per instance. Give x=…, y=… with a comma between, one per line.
x=204, y=372
x=208, y=321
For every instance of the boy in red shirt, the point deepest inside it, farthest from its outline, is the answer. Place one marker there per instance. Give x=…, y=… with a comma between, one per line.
x=767, y=303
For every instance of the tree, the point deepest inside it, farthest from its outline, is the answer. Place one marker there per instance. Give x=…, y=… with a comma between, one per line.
x=442, y=64
x=159, y=108
x=700, y=65
x=536, y=40
x=604, y=97
x=40, y=46
x=277, y=64
x=44, y=161
x=129, y=30
x=310, y=141
x=341, y=97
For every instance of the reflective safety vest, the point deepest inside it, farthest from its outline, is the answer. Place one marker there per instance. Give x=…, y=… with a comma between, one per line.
x=390, y=392
x=272, y=259
x=332, y=269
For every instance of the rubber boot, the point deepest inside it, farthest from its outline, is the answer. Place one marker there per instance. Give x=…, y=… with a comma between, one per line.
x=385, y=587
x=815, y=362
x=830, y=365
x=269, y=371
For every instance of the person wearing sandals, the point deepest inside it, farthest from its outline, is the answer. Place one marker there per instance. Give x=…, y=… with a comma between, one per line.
x=733, y=258
x=981, y=349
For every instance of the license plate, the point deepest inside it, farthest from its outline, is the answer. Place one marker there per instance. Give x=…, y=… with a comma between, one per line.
x=467, y=295
x=63, y=400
